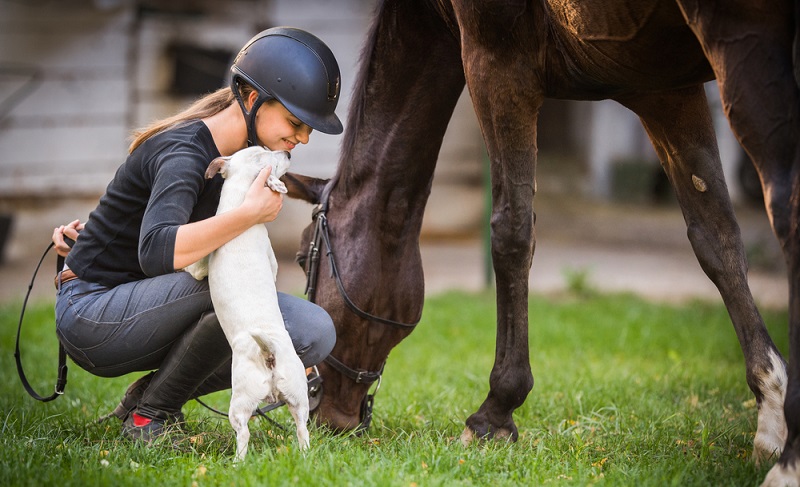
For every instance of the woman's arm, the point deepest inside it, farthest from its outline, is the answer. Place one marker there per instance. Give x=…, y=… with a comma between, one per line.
x=194, y=241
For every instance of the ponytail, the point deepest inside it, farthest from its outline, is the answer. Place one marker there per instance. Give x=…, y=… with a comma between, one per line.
x=208, y=105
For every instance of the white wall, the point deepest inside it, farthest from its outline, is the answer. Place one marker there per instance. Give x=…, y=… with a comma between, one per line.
x=101, y=71
x=66, y=134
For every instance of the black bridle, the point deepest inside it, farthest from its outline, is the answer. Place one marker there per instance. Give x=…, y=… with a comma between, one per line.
x=322, y=236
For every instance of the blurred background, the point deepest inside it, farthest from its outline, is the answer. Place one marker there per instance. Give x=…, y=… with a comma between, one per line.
x=76, y=76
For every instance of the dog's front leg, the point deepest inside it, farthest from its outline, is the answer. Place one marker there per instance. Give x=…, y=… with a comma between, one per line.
x=273, y=262
x=198, y=270
x=276, y=184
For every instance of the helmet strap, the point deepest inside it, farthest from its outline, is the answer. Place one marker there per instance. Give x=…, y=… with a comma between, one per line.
x=250, y=115
x=252, y=137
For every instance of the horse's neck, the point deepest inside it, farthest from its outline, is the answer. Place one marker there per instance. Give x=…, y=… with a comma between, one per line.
x=395, y=132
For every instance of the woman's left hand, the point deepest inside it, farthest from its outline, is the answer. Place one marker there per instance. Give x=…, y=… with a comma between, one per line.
x=263, y=202
x=70, y=231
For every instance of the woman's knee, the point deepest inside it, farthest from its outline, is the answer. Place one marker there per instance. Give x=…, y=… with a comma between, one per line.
x=310, y=328
x=323, y=338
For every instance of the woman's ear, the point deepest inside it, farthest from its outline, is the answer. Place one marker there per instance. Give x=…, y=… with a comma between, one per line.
x=251, y=100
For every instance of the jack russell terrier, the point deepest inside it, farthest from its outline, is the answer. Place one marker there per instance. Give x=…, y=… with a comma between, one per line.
x=241, y=277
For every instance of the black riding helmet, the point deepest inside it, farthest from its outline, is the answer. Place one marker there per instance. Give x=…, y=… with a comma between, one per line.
x=297, y=69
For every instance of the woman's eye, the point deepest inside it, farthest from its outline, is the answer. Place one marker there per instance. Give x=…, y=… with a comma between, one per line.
x=294, y=124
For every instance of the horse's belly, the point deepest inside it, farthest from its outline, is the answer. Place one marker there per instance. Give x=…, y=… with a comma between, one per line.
x=614, y=46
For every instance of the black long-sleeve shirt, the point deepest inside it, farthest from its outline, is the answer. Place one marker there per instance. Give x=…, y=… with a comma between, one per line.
x=161, y=186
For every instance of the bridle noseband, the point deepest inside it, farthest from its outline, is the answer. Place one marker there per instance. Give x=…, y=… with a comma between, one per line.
x=322, y=236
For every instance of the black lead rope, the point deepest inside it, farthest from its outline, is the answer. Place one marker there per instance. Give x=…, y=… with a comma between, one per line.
x=61, y=382
x=262, y=412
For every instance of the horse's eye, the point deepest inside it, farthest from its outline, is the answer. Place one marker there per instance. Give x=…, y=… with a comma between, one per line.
x=301, y=258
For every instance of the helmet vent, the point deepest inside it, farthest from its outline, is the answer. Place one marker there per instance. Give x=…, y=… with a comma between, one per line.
x=333, y=91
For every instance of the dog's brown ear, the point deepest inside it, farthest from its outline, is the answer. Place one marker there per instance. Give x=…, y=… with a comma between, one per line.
x=304, y=188
x=216, y=166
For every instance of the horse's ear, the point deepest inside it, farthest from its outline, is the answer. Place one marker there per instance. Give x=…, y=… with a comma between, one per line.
x=304, y=188
x=216, y=166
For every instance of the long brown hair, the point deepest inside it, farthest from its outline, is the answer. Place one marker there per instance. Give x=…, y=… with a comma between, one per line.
x=208, y=105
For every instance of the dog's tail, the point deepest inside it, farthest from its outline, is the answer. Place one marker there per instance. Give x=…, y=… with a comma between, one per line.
x=266, y=344
x=273, y=343
x=264, y=341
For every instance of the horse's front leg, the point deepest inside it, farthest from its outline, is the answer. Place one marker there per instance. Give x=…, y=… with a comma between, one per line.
x=510, y=134
x=679, y=125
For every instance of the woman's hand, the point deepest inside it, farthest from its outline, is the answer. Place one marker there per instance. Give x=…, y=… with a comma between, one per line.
x=70, y=231
x=264, y=203
x=197, y=239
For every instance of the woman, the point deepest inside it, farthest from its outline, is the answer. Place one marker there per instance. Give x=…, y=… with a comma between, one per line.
x=121, y=305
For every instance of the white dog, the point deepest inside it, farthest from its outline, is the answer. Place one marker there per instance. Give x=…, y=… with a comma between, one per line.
x=241, y=277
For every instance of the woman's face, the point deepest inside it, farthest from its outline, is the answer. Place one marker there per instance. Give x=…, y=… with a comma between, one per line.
x=278, y=129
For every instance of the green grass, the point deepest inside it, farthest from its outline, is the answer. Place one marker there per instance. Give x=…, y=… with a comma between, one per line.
x=627, y=393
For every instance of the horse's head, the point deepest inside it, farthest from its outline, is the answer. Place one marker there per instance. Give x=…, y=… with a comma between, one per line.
x=354, y=289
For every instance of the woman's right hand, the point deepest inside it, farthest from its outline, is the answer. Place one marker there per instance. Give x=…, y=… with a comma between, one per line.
x=261, y=200
x=70, y=231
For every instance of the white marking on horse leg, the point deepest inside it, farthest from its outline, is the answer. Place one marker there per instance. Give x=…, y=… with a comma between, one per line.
x=771, y=433
x=699, y=184
x=779, y=476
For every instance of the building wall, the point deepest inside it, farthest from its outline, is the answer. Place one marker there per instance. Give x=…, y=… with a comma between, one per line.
x=76, y=76
x=83, y=74
x=343, y=24
x=65, y=94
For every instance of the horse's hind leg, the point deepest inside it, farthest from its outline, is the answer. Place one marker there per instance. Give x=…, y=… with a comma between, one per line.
x=679, y=125
x=749, y=45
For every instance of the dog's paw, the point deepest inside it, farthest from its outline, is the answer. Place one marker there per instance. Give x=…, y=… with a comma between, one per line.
x=198, y=270
x=276, y=184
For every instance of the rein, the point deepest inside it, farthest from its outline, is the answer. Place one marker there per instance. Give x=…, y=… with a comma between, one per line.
x=61, y=381
x=322, y=236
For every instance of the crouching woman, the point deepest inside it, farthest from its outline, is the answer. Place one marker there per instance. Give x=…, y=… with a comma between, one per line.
x=121, y=306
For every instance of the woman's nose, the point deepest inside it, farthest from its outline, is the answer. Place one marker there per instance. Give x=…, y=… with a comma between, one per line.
x=303, y=134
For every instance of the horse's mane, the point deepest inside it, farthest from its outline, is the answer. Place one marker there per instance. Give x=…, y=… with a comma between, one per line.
x=356, y=129
x=355, y=115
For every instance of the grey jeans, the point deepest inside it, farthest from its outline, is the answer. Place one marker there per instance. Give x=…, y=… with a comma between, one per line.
x=114, y=331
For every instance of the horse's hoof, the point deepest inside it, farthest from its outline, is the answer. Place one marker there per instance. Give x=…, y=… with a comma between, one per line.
x=467, y=436
x=504, y=434
x=780, y=476
x=766, y=450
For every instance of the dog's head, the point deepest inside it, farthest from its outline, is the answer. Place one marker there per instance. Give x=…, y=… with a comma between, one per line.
x=250, y=160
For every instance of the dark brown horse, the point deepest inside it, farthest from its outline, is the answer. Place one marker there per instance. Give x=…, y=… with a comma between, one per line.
x=652, y=56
